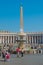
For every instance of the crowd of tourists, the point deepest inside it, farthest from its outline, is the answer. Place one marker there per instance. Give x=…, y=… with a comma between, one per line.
x=7, y=56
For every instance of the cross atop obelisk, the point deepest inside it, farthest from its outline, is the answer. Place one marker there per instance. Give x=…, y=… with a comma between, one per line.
x=21, y=19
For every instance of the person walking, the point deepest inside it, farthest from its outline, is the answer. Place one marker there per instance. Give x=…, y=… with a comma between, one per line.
x=3, y=53
x=22, y=52
x=18, y=51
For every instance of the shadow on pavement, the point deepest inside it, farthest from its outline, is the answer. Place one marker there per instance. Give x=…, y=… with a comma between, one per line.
x=2, y=60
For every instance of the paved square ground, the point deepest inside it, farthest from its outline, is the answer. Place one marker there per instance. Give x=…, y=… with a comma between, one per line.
x=26, y=60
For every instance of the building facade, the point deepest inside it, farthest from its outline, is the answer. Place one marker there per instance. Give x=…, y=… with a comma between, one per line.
x=32, y=38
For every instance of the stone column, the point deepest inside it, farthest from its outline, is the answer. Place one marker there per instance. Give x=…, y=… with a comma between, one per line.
x=13, y=39
x=40, y=39
x=8, y=39
x=32, y=39
x=0, y=39
x=37, y=39
x=32, y=42
x=26, y=39
x=3, y=39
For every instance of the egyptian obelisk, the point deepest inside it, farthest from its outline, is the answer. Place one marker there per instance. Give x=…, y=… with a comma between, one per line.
x=21, y=19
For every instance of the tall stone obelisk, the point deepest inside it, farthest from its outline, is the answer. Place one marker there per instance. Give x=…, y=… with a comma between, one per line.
x=21, y=19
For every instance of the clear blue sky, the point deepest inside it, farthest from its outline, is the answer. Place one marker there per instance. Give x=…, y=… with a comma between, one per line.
x=32, y=13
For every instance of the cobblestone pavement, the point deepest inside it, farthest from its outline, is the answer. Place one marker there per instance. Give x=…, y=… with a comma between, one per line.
x=26, y=60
